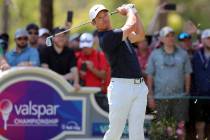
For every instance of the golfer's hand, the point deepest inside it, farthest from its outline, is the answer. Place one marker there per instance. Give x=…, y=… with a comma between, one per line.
x=131, y=7
x=122, y=10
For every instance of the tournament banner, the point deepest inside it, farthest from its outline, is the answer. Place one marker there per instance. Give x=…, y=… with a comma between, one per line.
x=100, y=128
x=36, y=108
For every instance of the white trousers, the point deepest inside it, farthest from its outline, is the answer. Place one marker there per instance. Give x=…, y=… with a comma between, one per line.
x=127, y=100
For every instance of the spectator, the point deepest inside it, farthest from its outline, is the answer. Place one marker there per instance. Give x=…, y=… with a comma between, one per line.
x=74, y=41
x=201, y=72
x=3, y=63
x=1, y=52
x=186, y=43
x=4, y=41
x=43, y=34
x=22, y=55
x=92, y=64
x=60, y=58
x=94, y=68
x=143, y=52
x=168, y=72
x=33, y=31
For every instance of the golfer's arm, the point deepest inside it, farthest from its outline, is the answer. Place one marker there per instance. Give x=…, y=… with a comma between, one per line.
x=130, y=24
x=138, y=35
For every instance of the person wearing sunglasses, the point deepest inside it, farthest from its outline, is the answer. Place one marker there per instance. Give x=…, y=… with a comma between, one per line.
x=22, y=54
x=33, y=31
x=168, y=76
x=185, y=42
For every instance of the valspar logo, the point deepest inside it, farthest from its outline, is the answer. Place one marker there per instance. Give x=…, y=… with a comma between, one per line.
x=39, y=109
x=29, y=114
x=36, y=110
x=5, y=109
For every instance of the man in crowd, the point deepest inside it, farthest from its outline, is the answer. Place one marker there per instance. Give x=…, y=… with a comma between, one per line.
x=60, y=58
x=168, y=72
x=201, y=75
x=33, y=31
x=93, y=68
x=92, y=64
x=22, y=54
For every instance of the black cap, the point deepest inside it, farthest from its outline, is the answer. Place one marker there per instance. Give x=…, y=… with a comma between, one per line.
x=57, y=30
x=32, y=26
x=4, y=36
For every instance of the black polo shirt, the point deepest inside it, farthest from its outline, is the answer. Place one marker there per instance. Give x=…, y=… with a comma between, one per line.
x=120, y=54
x=60, y=63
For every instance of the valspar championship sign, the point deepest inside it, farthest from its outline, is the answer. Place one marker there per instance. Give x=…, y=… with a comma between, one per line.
x=36, y=104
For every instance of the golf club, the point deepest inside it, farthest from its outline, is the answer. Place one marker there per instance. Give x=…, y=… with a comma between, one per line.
x=49, y=39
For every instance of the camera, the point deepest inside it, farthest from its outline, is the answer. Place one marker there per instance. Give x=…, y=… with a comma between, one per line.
x=84, y=67
x=170, y=6
x=69, y=16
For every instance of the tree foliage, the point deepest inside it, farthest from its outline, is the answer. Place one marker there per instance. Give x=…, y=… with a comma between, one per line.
x=23, y=12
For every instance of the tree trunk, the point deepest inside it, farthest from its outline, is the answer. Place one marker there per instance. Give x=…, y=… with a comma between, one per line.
x=5, y=16
x=46, y=11
x=163, y=16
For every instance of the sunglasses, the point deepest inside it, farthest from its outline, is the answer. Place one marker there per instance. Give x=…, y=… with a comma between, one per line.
x=22, y=38
x=34, y=33
x=169, y=61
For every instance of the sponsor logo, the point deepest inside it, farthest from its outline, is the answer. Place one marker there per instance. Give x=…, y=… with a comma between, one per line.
x=5, y=109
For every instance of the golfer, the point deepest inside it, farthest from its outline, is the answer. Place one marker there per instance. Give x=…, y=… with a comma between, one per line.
x=127, y=91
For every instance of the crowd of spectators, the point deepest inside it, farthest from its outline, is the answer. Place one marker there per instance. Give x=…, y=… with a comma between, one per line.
x=174, y=66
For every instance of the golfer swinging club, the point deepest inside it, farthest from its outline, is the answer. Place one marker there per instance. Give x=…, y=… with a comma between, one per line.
x=127, y=91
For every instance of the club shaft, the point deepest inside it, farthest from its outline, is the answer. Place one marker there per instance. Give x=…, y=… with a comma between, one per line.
x=88, y=22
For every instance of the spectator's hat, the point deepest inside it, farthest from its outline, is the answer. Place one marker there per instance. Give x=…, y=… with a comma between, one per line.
x=165, y=31
x=86, y=40
x=57, y=30
x=205, y=34
x=184, y=35
x=95, y=10
x=21, y=33
x=43, y=31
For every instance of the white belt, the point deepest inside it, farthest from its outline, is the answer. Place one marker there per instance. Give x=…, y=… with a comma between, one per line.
x=132, y=81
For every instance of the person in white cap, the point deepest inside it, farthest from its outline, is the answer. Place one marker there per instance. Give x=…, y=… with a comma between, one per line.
x=127, y=91
x=201, y=74
x=168, y=76
x=43, y=34
x=92, y=64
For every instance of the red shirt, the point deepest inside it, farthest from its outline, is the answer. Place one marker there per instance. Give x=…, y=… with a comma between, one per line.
x=99, y=62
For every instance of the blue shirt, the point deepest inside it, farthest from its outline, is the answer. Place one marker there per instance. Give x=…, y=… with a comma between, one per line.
x=168, y=71
x=201, y=73
x=28, y=54
x=120, y=54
